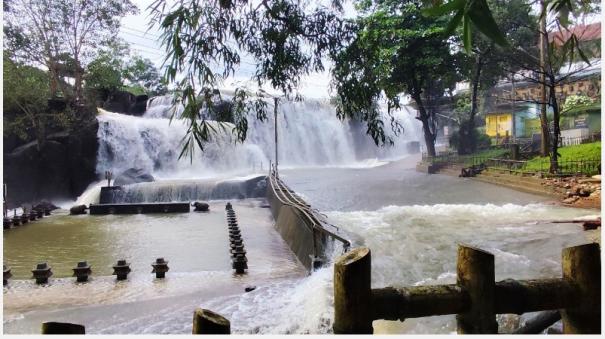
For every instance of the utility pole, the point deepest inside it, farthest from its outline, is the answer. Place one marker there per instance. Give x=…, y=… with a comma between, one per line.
x=543, y=117
x=275, y=102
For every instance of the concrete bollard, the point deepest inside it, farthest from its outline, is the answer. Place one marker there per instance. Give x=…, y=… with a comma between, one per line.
x=16, y=219
x=82, y=271
x=239, y=264
x=33, y=215
x=24, y=217
x=62, y=328
x=7, y=222
x=121, y=269
x=41, y=273
x=6, y=274
x=208, y=322
x=160, y=267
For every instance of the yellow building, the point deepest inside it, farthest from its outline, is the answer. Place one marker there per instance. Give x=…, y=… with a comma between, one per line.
x=499, y=124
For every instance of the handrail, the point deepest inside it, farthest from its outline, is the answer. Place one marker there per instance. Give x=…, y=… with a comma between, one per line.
x=291, y=200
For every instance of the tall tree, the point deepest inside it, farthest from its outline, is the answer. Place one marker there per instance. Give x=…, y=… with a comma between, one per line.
x=47, y=32
x=488, y=62
x=397, y=50
x=142, y=72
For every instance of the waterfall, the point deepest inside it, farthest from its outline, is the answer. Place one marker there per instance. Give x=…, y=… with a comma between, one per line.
x=309, y=133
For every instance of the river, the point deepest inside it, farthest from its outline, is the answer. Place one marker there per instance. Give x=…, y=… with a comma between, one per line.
x=411, y=221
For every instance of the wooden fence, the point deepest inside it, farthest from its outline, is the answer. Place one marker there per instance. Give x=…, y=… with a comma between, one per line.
x=476, y=298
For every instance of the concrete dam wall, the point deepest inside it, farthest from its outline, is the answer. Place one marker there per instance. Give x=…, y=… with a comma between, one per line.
x=299, y=226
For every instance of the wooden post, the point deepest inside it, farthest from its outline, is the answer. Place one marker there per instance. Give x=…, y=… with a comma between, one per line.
x=475, y=269
x=62, y=328
x=353, y=293
x=208, y=322
x=582, y=267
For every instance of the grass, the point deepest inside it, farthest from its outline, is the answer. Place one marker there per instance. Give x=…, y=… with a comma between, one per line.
x=484, y=154
x=591, y=151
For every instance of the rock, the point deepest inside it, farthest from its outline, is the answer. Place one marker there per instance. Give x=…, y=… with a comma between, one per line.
x=133, y=176
x=571, y=200
x=78, y=209
x=126, y=103
x=598, y=176
x=201, y=206
x=249, y=288
x=62, y=169
x=46, y=205
x=584, y=192
x=568, y=194
x=567, y=185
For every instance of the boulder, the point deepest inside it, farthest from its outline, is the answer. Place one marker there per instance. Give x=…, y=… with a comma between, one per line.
x=126, y=103
x=62, y=169
x=570, y=200
x=45, y=205
x=78, y=209
x=201, y=206
x=133, y=176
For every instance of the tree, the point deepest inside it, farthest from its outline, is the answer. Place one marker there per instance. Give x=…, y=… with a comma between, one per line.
x=43, y=32
x=141, y=72
x=551, y=70
x=25, y=101
x=285, y=39
x=396, y=50
x=487, y=62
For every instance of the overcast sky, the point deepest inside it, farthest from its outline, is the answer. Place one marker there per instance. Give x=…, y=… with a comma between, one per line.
x=145, y=41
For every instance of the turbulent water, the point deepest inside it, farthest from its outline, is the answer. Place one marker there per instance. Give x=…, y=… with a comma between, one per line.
x=309, y=134
x=411, y=221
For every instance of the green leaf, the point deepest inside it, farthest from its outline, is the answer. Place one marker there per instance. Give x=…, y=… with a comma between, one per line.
x=466, y=35
x=455, y=22
x=481, y=16
x=445, y=8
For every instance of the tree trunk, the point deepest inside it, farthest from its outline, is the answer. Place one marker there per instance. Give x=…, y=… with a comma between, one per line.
x=429, y=135
x=78, y=81
x=543, y=117
x=467, y=136
x=554, y=161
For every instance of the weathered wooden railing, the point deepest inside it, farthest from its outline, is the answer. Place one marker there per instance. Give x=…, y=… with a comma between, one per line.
x=476, y=298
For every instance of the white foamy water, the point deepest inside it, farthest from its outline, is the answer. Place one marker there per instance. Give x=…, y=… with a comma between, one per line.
x=309, y=135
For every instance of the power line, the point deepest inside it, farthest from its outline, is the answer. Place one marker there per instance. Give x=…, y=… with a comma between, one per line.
x=138, y=30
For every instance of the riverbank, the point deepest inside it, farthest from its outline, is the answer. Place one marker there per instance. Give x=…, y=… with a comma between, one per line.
x=579, y=192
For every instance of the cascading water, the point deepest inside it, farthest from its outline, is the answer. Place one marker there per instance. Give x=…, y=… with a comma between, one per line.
x=309, y=132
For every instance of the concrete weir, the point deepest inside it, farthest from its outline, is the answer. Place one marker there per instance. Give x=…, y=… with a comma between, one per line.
x=165, y=207
x=299, y=226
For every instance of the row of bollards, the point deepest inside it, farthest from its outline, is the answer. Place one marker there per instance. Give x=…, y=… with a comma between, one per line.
x=42, y=272
x=25, y=217
x=239, y=262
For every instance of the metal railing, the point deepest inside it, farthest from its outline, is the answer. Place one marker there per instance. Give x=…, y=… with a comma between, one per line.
x=286, y=197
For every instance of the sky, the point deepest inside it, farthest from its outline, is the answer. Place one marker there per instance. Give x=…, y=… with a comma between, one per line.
x=145, y=42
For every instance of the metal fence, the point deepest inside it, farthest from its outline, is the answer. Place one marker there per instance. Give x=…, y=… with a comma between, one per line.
x=585, y=139
x=565, y=167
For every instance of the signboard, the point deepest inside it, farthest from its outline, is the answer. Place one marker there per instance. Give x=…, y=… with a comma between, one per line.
x=580, y=122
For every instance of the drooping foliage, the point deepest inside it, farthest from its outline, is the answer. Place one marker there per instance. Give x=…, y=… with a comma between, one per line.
x=206, y=42
x=397, y=50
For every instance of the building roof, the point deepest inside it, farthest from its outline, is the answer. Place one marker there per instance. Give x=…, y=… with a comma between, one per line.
x=583, y=32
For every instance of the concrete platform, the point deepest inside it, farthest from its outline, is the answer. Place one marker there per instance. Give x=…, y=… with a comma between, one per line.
x=165, y=207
